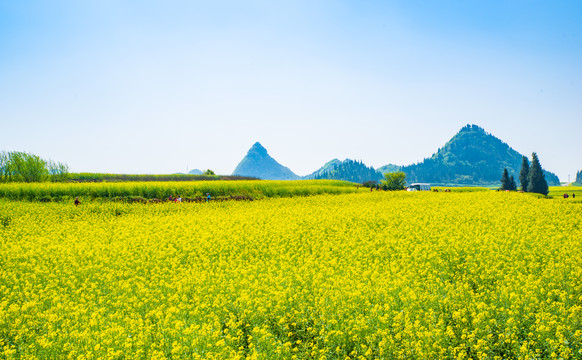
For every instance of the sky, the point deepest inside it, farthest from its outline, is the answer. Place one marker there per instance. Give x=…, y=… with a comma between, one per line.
x=159, y=87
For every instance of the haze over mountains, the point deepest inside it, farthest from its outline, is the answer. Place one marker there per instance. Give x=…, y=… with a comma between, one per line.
x=471, y=157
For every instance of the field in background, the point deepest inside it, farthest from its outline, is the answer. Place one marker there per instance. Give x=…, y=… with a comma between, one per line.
x=100, y=177
x=392, y=275
x=188, y=190
x=559, y=191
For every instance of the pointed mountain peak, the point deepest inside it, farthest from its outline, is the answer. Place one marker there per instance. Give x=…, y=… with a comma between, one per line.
x=472, y=128
x=258, y=163
x=472, y=156
x=257, y=148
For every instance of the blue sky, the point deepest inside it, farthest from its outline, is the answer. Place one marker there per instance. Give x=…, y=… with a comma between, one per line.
x=159, y=87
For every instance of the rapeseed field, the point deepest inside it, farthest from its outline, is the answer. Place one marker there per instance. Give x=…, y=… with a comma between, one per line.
x=370, y=275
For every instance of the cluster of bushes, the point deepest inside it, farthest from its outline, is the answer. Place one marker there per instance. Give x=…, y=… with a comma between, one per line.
x=18, y=166
x=392, y=181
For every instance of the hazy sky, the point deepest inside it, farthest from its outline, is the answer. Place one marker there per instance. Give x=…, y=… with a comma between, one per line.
x=158, y=86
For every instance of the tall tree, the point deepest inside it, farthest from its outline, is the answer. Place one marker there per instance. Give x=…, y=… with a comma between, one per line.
x=512, y=184
x=536, y=178
x=524, y=173
x=505, y=180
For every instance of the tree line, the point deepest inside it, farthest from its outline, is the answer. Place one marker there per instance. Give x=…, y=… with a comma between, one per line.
x=16, y=166
x=531, y=178
x=350, y=170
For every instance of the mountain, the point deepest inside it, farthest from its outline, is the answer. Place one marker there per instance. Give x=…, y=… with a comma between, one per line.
x=471, y=157
x=349, y=170
x=325, y=168
x=195, y=172
x=390, y=168
x=257, y=163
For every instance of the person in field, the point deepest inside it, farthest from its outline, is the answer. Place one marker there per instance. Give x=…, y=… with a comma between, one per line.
x=77, y=202
x=207, y=197
x=178, y=199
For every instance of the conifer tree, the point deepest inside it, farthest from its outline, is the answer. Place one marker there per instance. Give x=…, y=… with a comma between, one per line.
x=536, y=178
x=512, y=184
x=524, y=173
x=505, y=180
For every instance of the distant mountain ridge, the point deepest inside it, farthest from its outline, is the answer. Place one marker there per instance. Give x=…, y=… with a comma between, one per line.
x=472, y=156
x=258, y=163
x=330, y=165
x=348, y=170
x=390, y=168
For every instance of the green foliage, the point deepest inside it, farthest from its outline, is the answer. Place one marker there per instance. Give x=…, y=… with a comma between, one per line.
x=58, y=171
x=505, y=180
x=209, y=172
x=512, y=184
x=158, y=191
x=370, y=184
x=471, y=157
x=330, y=165
x=24, y=167
x=524, y=173
x=350, y=170
x=536, y=179
x=394, y=181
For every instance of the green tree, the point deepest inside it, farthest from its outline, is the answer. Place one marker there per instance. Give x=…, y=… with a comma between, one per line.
x=505, y=180
x=4, y=166
x=27, y=167
x=209, y=172
x=536, y=179
x=21, y=166
x=58, y=171
x=524, y=173
x=394, y=181
x=512, y=184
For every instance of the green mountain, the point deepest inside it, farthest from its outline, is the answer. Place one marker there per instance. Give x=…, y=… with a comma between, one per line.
x=325, y=168
x=471, y=157
x=579, y=177
x=258, y=163
x=390, y=168
x=195, y=172
x=348, y=170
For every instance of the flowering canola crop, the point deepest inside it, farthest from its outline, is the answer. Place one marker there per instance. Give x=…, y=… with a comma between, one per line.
x=378, y=275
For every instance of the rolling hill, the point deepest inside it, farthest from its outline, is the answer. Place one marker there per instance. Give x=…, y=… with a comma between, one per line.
x=471, y=157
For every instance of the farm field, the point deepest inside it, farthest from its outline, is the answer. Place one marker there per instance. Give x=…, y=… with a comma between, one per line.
x=367, y=275
x=559, y=191
x=189, y=190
